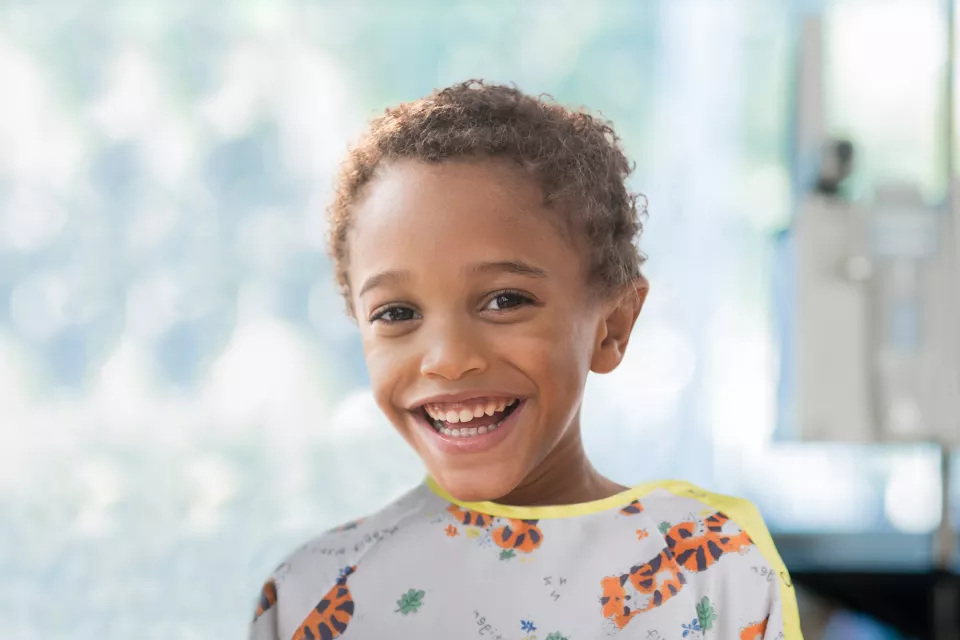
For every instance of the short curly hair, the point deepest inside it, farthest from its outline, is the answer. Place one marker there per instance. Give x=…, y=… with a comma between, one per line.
x=575, y=156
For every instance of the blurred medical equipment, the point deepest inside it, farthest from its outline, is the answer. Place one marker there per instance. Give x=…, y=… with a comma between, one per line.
x=876, y=318
x=877, y=333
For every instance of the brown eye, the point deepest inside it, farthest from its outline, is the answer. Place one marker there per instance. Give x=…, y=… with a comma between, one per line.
x=393, y=315
x=507, y=300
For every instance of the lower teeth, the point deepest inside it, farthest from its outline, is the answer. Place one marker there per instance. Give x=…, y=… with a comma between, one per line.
x=466, y=433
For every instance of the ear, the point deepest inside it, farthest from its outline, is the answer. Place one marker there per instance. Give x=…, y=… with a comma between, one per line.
x=614, y=331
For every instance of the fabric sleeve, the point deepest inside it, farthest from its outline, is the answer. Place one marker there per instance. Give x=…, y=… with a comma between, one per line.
x=782, y=617
x=777, y=629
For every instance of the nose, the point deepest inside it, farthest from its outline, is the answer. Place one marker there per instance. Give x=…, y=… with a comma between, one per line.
x=452, y=352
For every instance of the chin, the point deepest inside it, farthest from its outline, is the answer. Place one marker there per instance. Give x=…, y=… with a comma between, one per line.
x=468, y=487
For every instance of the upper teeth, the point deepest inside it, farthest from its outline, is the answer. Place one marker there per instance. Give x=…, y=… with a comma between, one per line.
x=466, y=414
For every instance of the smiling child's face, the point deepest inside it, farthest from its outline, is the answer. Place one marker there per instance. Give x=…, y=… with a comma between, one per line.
x=478, y=323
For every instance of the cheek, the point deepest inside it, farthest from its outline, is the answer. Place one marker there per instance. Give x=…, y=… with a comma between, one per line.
x=555, y=355
x=387, y=368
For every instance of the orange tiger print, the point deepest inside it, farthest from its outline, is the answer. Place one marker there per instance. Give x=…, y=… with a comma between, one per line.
x=657, y=581
x=268, y=598
x=699, y=552
x=517, y=535
x=688, y=547
x=521, y=535
x=715, y=522
x=330, y=617
x=470, y=518
x=660, y=579
x=632, y=509
x=755, y=631
x=614, y=601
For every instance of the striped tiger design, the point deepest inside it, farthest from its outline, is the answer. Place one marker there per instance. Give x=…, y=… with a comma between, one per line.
x=754, y=631
x=329, y=619
x=268, y=598
x=694, y=546
x=513, y=534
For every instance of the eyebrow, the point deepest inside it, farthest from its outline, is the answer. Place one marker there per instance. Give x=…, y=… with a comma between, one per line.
x=394, y=276
x=383, y=278
x=510, y=266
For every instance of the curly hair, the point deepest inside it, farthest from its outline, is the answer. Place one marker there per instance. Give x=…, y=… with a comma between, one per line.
x=575, y=156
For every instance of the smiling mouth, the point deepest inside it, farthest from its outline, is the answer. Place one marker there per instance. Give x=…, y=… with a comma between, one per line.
x=472, y=419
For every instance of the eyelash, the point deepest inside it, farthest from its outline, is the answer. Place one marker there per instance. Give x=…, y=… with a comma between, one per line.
x=522, y=297
x=380, y=314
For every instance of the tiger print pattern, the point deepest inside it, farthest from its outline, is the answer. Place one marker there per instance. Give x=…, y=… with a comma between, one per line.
x=523, y=536
x=519, y=535
x=698, y=550
x=693, y=546
x=669, y=558
x=632, y=509
x=329, y=619
x=470, y=518
x=754, y=631
x=653, y=583
x=268, y=598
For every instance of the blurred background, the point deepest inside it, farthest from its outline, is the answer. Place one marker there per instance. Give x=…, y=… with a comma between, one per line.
x=183, y=401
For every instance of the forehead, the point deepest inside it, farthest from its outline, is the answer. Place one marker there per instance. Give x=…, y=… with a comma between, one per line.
x=454, y=213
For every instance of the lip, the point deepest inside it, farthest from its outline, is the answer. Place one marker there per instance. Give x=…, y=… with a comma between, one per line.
x=472, y=444
x=464, y=396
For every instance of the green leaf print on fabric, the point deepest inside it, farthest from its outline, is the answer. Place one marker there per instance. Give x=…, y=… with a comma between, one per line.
x=556, y=635
x=410, y=602
x=664, y=527
x=506, y=554
x=705, y=614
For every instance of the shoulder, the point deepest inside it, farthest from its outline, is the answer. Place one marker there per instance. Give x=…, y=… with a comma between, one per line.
x=671, y=502
x=687, y=512
x=325, y=561
x=347, y=543
x=675, y=499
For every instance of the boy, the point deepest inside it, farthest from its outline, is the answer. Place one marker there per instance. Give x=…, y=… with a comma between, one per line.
x=484, y=241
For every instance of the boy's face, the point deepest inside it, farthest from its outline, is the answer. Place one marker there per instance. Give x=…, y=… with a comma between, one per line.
x=477, y=323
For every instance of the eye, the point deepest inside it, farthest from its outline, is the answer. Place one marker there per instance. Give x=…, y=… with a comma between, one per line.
x=394, y=314
x=505, y=300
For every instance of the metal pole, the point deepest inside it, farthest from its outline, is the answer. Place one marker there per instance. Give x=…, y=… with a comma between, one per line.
x=945, y=533
x=946, y=544
x=946, y=622
x=949, y=127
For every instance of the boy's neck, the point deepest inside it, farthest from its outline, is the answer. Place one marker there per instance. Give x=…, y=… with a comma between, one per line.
x=564, y=477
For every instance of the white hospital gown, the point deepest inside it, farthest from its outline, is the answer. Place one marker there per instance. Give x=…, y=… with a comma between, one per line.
x=661, y=561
